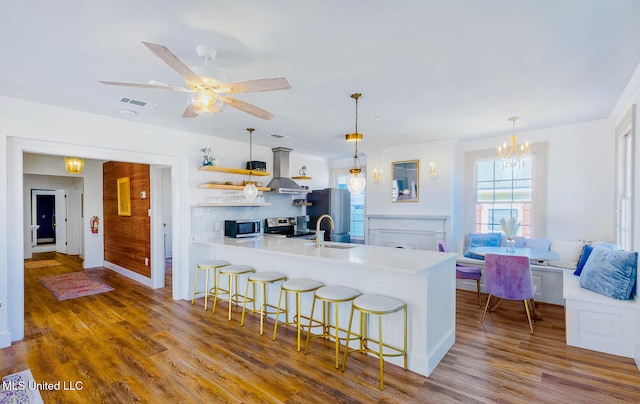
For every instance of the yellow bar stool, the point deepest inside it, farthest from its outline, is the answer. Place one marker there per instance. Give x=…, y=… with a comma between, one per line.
x=206, y=267
x=379, y=305
x=261, y=278
x=297, y=286
x=232, y=272
x=330, y=296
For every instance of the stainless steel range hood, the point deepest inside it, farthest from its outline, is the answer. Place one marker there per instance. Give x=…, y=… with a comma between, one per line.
x=281, y=182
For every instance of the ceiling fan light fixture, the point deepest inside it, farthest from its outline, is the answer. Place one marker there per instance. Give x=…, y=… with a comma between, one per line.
x=201, y=80
x=211, y=77
x=74, y=165
x=204, y=103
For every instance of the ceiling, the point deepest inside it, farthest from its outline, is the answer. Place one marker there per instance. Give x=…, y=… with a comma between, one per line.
x=427, y=69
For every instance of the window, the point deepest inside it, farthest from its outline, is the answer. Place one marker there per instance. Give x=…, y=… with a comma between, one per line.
x=492, y=191
x=503, y=192
x=356, y=228
x=624, y=181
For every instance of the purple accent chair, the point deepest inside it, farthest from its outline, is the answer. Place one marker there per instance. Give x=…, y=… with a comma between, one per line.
x=464, y=271
x=509, y=277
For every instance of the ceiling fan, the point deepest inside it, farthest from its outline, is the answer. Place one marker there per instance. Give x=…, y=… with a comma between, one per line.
x=210, y=94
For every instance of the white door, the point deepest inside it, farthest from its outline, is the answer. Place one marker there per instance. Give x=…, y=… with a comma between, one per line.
x=61, y=221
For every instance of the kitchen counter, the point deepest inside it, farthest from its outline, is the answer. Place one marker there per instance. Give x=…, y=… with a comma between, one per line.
x=425, y=280
x=391, y=259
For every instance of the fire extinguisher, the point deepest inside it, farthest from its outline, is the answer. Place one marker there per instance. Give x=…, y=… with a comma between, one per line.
x=95, y=223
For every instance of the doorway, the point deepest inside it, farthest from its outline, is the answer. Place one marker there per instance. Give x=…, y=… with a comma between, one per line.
x=45, y=212
x=86, y=198
x=49, y=220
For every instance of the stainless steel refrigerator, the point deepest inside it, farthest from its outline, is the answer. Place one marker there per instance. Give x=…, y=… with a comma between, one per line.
x=336, y=202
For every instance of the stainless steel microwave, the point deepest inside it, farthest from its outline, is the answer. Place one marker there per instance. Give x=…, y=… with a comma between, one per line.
x=241, y=228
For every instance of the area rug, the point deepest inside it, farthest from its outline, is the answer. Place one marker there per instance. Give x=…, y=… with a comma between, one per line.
x=74, y=284
x=41, y=263
x=19, y=388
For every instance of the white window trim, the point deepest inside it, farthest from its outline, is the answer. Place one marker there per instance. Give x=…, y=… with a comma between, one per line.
x=625, y=191
x=539, y=184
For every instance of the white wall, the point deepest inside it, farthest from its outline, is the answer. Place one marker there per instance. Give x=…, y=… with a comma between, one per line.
x=60, y=132
x=579, y=181
x=579, y=178
x=434, y=195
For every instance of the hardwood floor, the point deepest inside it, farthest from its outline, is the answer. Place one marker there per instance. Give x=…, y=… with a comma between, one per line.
x=135, y=344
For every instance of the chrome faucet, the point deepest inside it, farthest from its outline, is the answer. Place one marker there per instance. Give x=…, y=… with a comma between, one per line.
x=320, y=233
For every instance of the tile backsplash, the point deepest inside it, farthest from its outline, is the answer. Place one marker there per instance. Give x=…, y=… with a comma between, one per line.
x=205, y=218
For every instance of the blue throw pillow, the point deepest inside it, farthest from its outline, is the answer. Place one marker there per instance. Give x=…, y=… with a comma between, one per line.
x=610, y=272
x=482, y=240
x=586, y=252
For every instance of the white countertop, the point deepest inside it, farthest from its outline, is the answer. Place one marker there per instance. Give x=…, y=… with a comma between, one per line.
x=389, y=258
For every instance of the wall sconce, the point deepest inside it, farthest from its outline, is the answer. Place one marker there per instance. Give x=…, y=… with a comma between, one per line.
x=433, y=170
x=377, y=176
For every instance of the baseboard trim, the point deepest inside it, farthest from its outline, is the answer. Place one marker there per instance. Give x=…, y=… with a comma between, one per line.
x=129, y=273
x=5, y=339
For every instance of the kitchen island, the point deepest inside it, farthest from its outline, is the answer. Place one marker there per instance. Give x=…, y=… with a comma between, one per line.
x=425, y=280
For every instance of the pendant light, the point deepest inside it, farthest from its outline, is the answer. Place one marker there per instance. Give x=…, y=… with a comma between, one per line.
x=250, y=190
x=355, y=181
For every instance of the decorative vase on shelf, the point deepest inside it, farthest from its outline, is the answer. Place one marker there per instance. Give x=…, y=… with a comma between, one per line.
x=208, y=159
x=510, y=228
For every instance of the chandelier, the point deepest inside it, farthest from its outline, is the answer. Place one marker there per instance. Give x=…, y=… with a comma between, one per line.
x=355, y=181
x=513, y=155
x=250, y=190
x=74, y=165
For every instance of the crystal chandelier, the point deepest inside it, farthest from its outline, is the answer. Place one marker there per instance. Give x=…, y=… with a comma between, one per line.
x=250, y=190
x=355, y=181
x=513, y=155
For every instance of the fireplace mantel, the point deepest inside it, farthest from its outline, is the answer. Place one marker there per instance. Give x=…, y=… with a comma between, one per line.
x=417, y=232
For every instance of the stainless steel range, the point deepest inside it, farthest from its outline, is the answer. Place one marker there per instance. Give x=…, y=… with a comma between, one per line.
x=288, y=226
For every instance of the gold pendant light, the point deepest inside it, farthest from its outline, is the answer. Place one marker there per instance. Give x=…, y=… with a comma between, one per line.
x=250, y=190
x=355, y=181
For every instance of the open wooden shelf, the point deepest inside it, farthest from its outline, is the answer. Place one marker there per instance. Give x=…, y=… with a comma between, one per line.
x=301, y=204
x=301, y=177
x=229, y=187
x=234, y=171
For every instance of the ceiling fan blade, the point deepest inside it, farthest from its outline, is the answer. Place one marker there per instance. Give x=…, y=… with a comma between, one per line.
x=189, y=112
x=154, y=86
x=252, y=86
x=246, y=107
x=172, y=60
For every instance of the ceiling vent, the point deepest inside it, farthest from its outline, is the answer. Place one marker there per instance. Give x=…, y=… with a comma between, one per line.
x=138, y=103
x=278, y=136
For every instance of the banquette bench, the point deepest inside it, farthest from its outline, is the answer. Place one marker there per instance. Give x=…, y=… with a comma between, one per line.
x=593, y=320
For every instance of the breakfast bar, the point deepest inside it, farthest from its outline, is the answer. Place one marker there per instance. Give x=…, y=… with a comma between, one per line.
x=424, y=280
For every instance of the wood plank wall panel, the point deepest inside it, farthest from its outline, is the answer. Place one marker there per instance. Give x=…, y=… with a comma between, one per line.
x=127, y=239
